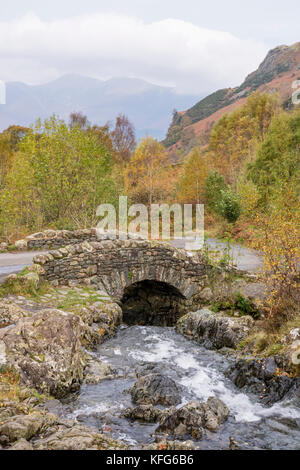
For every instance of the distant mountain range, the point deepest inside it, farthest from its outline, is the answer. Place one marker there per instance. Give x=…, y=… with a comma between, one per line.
x=148, y=106
x=275, y=74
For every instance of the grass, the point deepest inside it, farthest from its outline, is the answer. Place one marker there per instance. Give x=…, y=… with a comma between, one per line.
x=11, y=390
x=19, y=287
x=269, y=344
x=12, y=248
x=238, y=303
x=73, y=300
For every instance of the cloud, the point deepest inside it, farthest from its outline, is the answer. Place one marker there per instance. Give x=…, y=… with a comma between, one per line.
x=171, y=51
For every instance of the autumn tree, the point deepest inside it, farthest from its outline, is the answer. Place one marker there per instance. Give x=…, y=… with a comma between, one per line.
x=123, y=138
x=235, y=137
x=277, y=237
x=149, y=174
x=78, y=119
x=191, y=184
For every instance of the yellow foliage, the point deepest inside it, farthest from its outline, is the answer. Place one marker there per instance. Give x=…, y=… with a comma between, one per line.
x=235, y=137
x=191, y=184
x=149, y=176
x=279, y=241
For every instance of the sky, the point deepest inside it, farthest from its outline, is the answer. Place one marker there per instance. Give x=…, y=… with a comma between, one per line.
x=194, y=46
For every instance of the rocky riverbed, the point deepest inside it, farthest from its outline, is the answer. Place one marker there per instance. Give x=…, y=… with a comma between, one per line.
x=72, y=376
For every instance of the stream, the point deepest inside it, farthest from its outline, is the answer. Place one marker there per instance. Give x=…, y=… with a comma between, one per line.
x=146, y=349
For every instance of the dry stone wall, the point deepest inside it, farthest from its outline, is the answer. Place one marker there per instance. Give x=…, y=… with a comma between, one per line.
x=53, y=239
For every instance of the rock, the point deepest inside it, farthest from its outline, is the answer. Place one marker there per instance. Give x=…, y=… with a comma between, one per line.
x=293, y=353
x=37, y=429
x=37, y=268
x=37, y=235
x=25, y=426
x=100, y=322
x=98, y=371
x=207, y=294
x=31, y=280
x=3, y=247
x=192, y=419
x=91, y=270
x=254, y=291
x=216, y=414
x=42, y=259
x=21, y=245
x=294, y=335
x=155, y=389
x=22, y=444
x=3, y=357
x=214, y=331
x=266, y=377
x=53, y=406
x=46, y=350
x=171, y=445
x=10, y=313
x=78, y=437
x=10, y=279
x=144, y=413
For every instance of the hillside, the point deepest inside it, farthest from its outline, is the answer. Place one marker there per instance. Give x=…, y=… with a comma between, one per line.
x=274, y=75
x=148, y=106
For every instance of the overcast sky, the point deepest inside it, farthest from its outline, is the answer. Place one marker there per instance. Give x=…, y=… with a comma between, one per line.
x=193, y=45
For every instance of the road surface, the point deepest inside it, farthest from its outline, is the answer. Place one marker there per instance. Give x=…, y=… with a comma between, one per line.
x=15, y=262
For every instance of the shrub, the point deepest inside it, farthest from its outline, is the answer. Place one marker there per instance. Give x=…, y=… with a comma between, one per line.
x=278, y=239
x=221, y=199
x=229, y=205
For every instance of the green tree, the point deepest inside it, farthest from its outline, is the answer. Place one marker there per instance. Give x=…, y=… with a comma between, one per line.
x=214, y=185
x=221, y=199
x=58, y=178
x=278, y=158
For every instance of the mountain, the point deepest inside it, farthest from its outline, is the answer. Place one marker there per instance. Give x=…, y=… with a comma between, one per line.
x=275, y=74
x=148, y=106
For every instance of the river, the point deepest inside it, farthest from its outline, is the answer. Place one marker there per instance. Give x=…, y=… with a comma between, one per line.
x=146, y=349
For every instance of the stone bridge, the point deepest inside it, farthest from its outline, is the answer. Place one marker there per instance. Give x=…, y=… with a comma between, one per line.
x=145, y=277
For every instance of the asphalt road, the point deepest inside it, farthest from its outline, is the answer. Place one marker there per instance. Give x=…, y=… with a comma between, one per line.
x=15, y=262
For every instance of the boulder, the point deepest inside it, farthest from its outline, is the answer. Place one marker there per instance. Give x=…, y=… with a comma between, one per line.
x=214, y=331
x=3, y=247
x=10, y=313
x=194, y=418
x=266, y=377
x=73, y=436
x=25, y=426
x=97, y=371
x=21, y=245
x=37, y=429
x=155, y=389
x=21, y=444
x=46, y=350
x=294, y=335
x=144, y=413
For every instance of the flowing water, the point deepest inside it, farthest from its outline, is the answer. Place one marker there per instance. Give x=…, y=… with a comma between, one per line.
x=146, y=349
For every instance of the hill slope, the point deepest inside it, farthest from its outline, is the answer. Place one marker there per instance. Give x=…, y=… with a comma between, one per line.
x=275, y=75
x=148, y=106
